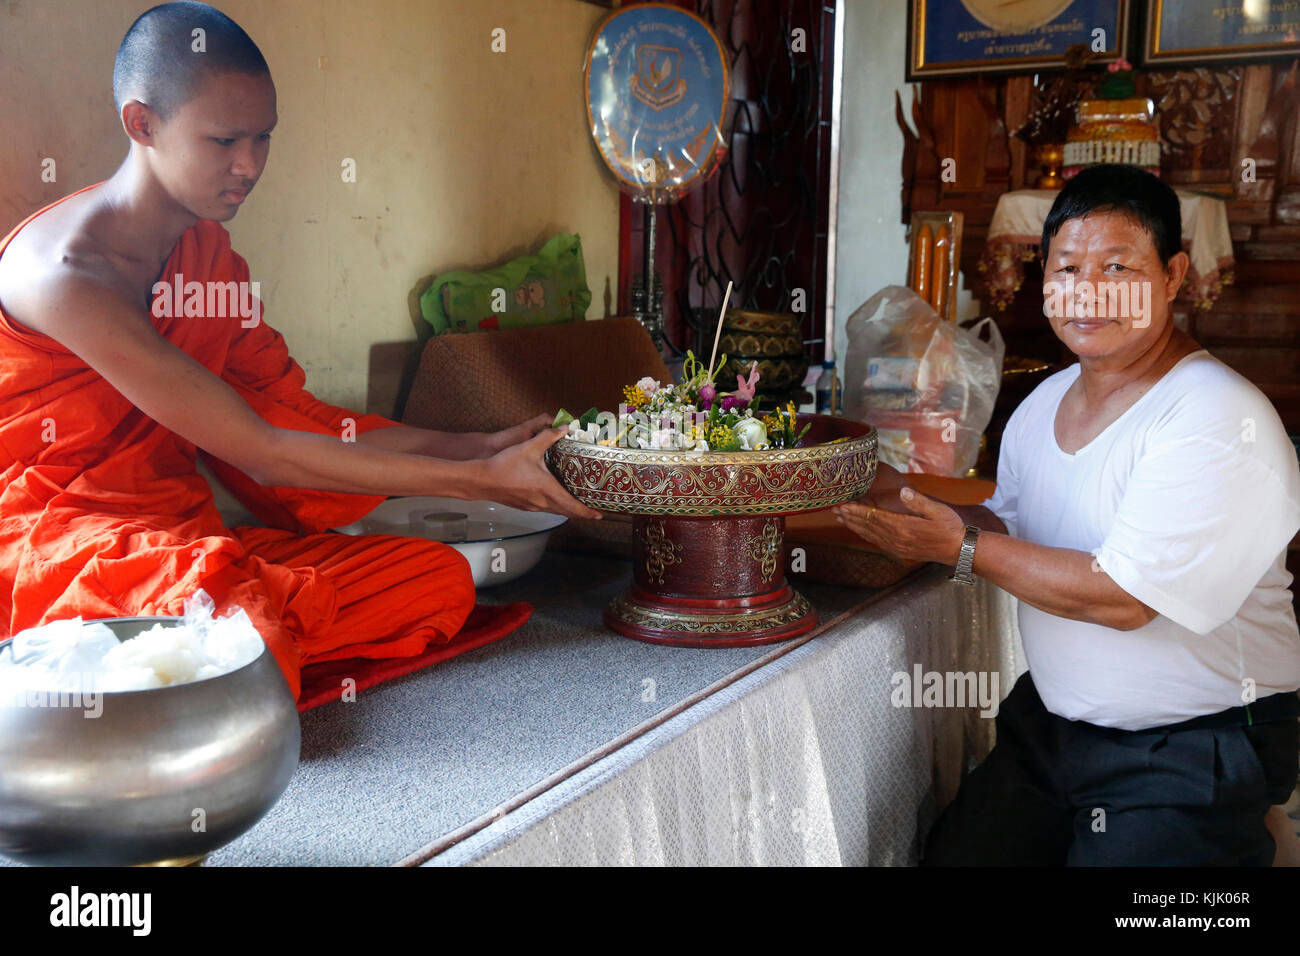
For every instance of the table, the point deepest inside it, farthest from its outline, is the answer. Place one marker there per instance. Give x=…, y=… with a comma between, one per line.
x=1016, y=230
x=801, y=761
x=567, y=743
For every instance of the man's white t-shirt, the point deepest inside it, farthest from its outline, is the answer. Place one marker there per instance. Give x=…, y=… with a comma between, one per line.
x=1187, y=501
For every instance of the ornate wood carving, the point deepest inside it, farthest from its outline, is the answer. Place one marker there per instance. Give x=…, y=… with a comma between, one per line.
x=1211, y=119
x=1193, y=108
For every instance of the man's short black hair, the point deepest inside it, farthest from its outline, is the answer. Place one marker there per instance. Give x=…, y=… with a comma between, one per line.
x=158, y=64
x=1133, y=192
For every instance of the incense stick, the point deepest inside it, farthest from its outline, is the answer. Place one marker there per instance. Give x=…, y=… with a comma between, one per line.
x=718, y=335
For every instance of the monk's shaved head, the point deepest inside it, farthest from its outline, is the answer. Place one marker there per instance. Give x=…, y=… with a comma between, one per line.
x=162, y=62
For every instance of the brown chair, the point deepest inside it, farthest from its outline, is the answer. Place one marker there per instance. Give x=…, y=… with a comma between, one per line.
x=486, y=381
x=935, y=259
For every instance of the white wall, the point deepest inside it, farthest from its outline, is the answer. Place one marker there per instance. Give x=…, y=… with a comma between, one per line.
x=871, y=243
x=871, y=240
x=465, y=157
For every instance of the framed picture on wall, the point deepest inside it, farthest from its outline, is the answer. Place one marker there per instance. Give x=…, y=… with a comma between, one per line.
x=960, y=37
x=1197, y=31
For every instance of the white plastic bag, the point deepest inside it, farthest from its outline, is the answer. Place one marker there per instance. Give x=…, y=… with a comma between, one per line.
x=73, y=655
x=59, y=657
x=928, y=385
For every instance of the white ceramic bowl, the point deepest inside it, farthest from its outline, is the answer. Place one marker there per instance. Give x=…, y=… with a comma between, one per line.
x=501, y=542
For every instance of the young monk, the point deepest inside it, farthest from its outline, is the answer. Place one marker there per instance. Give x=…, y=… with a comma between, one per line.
x=108, y=392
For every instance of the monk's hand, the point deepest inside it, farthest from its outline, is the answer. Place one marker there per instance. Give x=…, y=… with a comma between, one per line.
x=922, y=530
x=518, y=476
x=494, y=442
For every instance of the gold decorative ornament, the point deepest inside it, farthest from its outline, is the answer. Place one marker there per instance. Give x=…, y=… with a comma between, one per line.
x=765, y=548
x=789, y=612
x=660, y=552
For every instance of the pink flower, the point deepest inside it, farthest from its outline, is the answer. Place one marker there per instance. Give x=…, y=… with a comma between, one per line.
x=707, y=394
x=745, y=389
x=733, y=401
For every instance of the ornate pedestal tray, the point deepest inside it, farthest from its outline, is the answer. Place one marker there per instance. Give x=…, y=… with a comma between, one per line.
x=709, y=529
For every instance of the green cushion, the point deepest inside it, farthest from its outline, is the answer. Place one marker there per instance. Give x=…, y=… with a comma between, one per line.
x=543, y=289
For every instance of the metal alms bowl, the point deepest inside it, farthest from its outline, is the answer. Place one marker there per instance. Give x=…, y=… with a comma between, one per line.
x=160, y=776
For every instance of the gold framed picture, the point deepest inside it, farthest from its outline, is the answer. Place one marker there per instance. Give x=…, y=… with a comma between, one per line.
x=960, y=37
x=1200, y=31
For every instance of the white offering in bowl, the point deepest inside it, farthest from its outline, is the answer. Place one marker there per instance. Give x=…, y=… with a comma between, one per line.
x=93, y=775
x=501, y=543
x=73, y=655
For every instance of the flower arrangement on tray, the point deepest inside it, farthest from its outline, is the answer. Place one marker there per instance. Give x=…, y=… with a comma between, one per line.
x=694, y=415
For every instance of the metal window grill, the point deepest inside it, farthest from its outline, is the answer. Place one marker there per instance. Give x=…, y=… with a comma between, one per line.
x=760, y=220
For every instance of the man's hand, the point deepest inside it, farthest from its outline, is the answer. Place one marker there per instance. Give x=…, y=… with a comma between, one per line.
x=518, y=476
x=884, y=490
x=1059, y=581
x=925, y=530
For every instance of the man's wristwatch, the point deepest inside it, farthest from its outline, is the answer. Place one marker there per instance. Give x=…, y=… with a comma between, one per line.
x=967, y=558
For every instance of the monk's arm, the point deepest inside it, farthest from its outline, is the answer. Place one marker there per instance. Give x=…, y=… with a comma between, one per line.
x=453, y=446
x=1059, y=581
x=116, y=338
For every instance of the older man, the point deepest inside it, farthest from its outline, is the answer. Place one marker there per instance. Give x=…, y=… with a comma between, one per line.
x=1145, y=499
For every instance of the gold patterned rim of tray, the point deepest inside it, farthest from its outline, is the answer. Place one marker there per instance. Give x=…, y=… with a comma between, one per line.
x=653, y=482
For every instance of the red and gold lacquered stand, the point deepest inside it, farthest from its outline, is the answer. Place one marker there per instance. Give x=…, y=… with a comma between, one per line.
x=709, y=529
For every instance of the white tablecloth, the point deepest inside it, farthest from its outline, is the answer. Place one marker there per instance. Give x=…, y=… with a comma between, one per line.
x=804, y=761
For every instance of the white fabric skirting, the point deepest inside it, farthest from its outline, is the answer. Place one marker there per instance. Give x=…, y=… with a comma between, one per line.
x=805, y=761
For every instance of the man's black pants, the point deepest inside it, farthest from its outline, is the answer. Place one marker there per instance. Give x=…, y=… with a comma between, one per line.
x=1057, y=792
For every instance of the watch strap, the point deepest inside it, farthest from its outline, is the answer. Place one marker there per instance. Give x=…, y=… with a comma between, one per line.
x=966, y=560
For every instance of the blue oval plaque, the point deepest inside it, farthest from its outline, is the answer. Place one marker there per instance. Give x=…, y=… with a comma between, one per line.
x=657, y=90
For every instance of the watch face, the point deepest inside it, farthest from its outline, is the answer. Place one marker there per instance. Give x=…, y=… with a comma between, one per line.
x=1015, y=16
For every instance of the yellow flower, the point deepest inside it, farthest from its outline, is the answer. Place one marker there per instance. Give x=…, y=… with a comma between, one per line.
x=634, y=396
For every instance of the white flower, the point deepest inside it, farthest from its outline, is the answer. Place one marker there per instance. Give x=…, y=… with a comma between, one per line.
x=665, y=438
x=589, y=435
x=647, y=385
x=752, y=434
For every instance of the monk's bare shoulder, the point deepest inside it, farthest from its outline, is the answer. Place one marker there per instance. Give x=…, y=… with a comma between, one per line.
x=59, y=258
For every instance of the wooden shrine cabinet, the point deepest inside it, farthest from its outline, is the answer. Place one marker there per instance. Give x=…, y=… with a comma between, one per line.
x=1230, y=131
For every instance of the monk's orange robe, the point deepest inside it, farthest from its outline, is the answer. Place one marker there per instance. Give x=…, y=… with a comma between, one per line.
x=102, y=513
